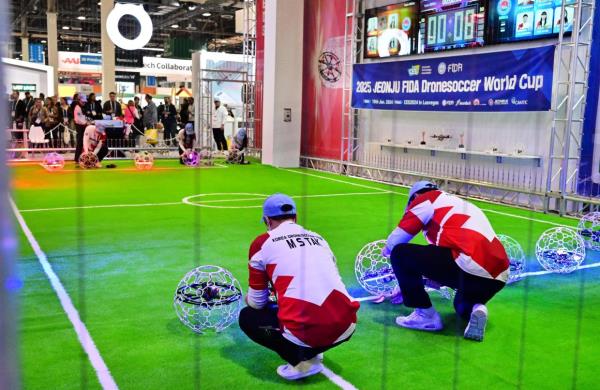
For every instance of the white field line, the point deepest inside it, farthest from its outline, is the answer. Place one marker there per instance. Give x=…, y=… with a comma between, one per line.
x=337, y=380
x=85, y=339
x=401, y=194
x=198, y=203
x=106, y=206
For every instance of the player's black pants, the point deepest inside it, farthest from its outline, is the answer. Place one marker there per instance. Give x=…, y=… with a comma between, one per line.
x=411, y=262
x=80, y=130
x=262, y=327
x=103, y=151
x=219, y=136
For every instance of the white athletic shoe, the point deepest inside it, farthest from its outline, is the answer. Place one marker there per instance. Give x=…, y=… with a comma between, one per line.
x=421, y=319
x=301, y=370
x=320, y=357
x=476, y=327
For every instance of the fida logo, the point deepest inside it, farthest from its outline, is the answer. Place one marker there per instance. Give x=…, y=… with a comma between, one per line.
x=414, y=70
x=406, y=23
x=503, y=7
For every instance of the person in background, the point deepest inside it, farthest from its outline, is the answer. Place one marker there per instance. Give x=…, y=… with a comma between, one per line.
x=81, y=123
x=191, y=112
x=239, y=143
x=187, y=141
x=52, y=121
x=28, y=105
x=130, y=114
x=72, y=109
x=17, y=110
x=94, y=140
x=183, y=112
x=219, y=117
x=42, y=98
x=112, y=106
x=138, y=125
x=168, y=117
x=93, y=107
x=64, y=111
x=38, y=115
x=150, y=116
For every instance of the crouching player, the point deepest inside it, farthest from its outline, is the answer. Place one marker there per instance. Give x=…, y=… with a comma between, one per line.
x=94, y=140
x=314, y=312
x=464, y=254
x=187, y=141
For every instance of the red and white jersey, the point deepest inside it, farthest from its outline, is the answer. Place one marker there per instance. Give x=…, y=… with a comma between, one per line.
x=451, y=222
x=315, y=309
x=91, y=138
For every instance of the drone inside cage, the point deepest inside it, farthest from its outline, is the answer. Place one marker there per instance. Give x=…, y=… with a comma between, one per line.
x=208, y=294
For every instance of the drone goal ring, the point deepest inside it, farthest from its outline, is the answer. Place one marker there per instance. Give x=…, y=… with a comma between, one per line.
x=139, y=13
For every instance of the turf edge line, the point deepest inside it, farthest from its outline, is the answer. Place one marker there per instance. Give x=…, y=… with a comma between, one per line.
x=337, y=380
x=85, y=339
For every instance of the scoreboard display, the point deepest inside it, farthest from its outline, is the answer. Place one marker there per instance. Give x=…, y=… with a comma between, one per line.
x=518, y=20
x=451, y=24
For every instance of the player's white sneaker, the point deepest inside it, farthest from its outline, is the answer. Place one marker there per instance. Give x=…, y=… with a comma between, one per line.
x=301, y=370
x=320, y=357
x=476, y=326
x=421, y=319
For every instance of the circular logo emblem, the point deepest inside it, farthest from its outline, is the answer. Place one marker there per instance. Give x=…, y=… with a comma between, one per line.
x=442, y=68
x=139, y=13
x=406, y=23
x=476, y=102
x=330, y=67
x=491, y=102
x=503, y=7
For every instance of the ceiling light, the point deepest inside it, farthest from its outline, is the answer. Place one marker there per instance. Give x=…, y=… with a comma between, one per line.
x=66, y=28
x=174, y=26
x=159, y=55
x=81, y=17
x=206, y=14
x=175, y=3
x=43, y=41
x=99, y=3
x=191, y=7
x=153, y=49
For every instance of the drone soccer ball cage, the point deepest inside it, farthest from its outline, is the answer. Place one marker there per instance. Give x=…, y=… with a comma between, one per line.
x=589, y=230
x=516, y=256
x=191, y=159
x=374, y=272
x=53, y=162
x=208, y=298
x=143, y=160
x=560, y=250
x=88, y=160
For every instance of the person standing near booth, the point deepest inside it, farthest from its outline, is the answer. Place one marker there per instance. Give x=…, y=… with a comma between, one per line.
x=219, y=117
x=168, y=118
x=93, y=107
x=112, y=107
x=80, y=124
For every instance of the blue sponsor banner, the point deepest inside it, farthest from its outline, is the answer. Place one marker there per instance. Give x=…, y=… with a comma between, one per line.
x=36, y=53
x=517, y=80
x=90, y=59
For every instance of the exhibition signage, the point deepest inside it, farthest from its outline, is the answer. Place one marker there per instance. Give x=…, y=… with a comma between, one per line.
x=517, y=80
x=36, y=53
x=82, y=62
x=156, y=66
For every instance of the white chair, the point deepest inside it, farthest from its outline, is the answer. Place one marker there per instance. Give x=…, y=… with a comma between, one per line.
x=36, y=136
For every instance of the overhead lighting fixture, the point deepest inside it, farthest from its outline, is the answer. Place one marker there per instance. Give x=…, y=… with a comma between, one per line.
x=159, y=55
x=153, y=49
x=174, y=26
x=191, y=7
x=175, y=3
x=206, y=14
x=66, y=27
x=43, y=41
x=81, y=17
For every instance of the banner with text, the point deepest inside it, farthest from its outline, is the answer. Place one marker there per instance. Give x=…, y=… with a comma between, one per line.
x=517, y=80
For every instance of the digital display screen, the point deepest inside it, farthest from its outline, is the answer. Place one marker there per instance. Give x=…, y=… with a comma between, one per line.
x=391, y=30
x=451, y=24
x=515, y=20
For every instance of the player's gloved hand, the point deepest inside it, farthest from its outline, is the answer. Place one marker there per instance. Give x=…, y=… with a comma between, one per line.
x=386, y=252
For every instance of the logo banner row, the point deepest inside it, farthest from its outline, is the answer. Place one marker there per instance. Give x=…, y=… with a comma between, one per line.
x=517, y=80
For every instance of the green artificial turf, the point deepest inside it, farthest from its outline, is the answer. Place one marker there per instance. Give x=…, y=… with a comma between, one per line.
x=121, y=265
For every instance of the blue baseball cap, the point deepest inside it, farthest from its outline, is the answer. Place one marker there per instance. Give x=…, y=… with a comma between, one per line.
x=279, y=204
x=189, y=129
x=419, y=186
x=100, y=128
